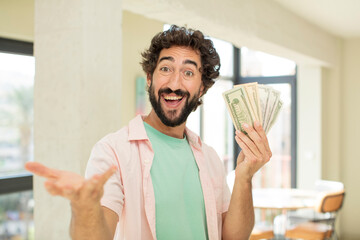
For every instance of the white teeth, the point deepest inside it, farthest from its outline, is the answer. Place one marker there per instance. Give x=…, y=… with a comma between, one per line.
x=172, y=98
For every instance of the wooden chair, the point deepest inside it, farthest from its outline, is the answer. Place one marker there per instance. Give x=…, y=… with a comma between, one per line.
x=261, y=233
x=305, y=215
x=328, y=202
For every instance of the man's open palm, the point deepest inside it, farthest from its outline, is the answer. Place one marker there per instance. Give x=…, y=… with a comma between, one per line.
x=71, y=185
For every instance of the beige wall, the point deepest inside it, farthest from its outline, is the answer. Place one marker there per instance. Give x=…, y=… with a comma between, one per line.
x=309, y=126
x=17, y=19
x=76, y=94
x=137, y=34
x=331, y=124
x=259, y=24
x=350, y=154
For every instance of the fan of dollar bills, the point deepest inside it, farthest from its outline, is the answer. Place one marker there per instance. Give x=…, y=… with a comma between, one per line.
x=252, y=101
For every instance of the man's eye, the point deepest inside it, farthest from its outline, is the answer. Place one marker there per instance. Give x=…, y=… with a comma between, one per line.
x=189, y=73
x=165, y=69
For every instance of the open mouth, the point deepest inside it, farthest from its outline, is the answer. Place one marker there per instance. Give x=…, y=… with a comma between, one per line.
x=173, y=100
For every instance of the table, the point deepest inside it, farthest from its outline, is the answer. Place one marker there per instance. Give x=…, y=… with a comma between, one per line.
x=283, y=199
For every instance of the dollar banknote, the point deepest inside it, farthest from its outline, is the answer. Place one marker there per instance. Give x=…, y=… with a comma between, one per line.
x=275, y=115
x=251, y=102
x=264, y=93
x=239, y=107
x=252, y=94
x=270, y=106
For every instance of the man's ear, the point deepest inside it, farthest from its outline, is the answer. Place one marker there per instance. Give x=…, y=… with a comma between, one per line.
x=202, y=88
x=148, y=79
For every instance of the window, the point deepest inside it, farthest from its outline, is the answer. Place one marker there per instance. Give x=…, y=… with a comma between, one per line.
x=17, y=70
x=260, y=64
x=279, y=73
x=217, y=127
x=212, y=122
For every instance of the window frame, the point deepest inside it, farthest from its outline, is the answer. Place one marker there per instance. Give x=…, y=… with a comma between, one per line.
x=17, y=182
x=289, y=79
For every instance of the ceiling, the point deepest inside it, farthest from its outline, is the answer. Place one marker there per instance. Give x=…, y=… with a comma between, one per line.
x=338, y=17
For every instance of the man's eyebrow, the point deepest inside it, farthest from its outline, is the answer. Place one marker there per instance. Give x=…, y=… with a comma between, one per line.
x=167, y=58
x=187, y=61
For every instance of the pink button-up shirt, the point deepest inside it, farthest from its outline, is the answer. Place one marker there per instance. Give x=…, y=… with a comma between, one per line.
x=129, y=192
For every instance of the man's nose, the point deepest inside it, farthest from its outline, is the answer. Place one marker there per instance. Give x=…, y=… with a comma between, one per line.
x=175, y=81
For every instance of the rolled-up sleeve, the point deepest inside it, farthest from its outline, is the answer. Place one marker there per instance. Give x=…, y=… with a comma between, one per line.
x=101, y=159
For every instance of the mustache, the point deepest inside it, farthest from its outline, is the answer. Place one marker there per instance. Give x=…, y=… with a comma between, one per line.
x=178, y=92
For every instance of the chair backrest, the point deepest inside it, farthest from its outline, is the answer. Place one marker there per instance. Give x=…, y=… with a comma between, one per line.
x=330, y=201
x=326, y=185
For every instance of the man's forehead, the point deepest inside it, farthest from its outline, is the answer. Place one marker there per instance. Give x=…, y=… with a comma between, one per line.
x=180, y=53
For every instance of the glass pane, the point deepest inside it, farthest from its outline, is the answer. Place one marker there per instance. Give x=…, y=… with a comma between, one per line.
x=277, y=173
x=226, y=53
x=17, y=216
x=256, y=64
x=16, y=112
x=218, y=127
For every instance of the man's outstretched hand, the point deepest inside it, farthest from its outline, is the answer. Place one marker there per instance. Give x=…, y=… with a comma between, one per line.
x=71, y=185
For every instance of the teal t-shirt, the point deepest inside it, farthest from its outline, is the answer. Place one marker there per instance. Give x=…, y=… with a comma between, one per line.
x=179, y=202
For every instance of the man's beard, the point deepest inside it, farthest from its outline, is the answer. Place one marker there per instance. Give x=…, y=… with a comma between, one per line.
x=184, y=112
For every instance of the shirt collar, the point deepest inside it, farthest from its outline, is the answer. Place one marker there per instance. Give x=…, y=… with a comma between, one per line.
x=137, y=129
x=137, y=132
x=194, y=139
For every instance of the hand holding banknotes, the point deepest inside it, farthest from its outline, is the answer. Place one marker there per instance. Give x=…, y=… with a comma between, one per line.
x=81, y=192
x=255, y=150
x=253, y=109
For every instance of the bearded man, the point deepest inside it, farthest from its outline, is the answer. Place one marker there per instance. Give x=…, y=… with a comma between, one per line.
x=155, y=179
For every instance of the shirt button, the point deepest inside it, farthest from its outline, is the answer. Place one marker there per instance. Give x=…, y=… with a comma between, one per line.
x=147, y=161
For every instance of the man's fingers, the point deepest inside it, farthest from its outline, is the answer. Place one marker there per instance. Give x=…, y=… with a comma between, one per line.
x=52, y=188
x=255, y=136
x=89, y=187
x=244, y=148
x=69, y=192
x=258, y=137
x=241, y=157
x=41, y=170
x=259, y=129
x=70, y=185
x=100, y=180
x=249, y=143
x=106, y=175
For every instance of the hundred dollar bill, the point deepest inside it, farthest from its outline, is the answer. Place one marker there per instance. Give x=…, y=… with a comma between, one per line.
x=274, y=116
x=252, y=94
x=270, y=106
x=264, y=93
x=238, y=107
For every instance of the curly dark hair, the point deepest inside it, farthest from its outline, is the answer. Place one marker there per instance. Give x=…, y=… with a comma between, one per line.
x=181, y=36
